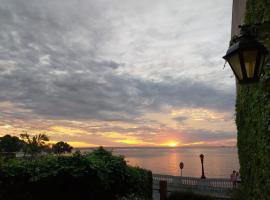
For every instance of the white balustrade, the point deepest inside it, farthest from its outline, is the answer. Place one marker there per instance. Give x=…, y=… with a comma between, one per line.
x=211, y=186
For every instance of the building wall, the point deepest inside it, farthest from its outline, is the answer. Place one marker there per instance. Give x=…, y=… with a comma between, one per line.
x=238, y=15
x=253, y=113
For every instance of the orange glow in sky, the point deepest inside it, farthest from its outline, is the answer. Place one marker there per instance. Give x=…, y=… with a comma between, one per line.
x=196, y=127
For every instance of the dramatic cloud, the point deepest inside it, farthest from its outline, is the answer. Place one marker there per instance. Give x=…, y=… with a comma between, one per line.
x=67, y=65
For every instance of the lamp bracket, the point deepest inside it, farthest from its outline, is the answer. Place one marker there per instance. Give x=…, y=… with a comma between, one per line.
x=248, y=30
x=252, y=30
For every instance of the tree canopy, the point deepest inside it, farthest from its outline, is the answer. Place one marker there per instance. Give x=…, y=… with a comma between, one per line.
x=32, y=145
x=35, y=144
x=61, y=147
x=10, y=144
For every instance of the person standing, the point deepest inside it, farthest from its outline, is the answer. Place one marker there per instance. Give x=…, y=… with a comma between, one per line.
x=233, y=178
x=238, y=179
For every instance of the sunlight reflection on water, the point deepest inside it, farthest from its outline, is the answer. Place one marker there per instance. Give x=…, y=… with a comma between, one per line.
x=219, y=161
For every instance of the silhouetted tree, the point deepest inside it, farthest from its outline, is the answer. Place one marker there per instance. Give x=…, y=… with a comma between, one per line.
x=10, y=144
x=61, y=147
x=35, y=144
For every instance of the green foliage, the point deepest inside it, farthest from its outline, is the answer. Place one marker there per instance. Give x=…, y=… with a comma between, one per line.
x=10, y=144
x=141, y=182
x=239, y=194
x=97, y=175
x=131, y=197
x=61, y=147
x=253, y=117
x=188, y=196
x=257, y=11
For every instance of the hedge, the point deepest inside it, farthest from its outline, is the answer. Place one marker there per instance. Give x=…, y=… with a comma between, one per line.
x=253, y=116
x=97, y=175
x=188, y=196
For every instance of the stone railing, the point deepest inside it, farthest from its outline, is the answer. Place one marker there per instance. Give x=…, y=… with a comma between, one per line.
x=217, y=187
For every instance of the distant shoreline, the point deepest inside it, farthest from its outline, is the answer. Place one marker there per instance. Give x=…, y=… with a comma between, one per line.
x=147, y=147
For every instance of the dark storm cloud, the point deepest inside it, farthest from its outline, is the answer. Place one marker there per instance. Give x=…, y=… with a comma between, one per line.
x=50, y=63
x=78, y=96
x=180, y=118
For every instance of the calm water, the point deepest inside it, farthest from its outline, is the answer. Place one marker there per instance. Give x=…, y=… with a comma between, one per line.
x=219, y=161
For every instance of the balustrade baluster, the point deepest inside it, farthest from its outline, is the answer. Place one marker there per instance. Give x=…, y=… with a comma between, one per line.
x=220, y=187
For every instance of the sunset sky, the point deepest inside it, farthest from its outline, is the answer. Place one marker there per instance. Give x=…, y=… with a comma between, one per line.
x=117, y=72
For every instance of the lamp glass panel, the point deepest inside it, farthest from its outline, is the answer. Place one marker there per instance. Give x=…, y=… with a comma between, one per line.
x=236, y=66
x=250, y=58
x=261, y=64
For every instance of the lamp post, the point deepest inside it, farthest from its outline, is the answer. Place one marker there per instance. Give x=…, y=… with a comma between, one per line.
x=246, y=56
x=181, y=166
x=202, y=157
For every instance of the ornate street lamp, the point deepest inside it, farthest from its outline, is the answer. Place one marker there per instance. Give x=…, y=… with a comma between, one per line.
x=246, y=57
x=181, y=166
x=202, y=157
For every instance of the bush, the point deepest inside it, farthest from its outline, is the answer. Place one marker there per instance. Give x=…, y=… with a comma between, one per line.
x=97, y=175
x=7, y=155
x=188, y=196
x=239, y=194
x=140, y=182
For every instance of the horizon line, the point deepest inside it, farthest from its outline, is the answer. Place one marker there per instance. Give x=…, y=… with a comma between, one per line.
x=164, y=147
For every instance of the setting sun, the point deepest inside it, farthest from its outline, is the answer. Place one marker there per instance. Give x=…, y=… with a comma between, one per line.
x=134, y=99
x=172, y=144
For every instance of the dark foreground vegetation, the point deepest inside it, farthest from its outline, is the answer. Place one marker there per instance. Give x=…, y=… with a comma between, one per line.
x=95, y=176
x=188, y=196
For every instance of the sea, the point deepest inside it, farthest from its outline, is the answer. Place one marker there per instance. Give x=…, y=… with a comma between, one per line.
x=219, y=162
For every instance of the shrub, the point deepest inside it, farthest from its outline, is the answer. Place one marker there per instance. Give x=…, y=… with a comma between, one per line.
x=97, y=175
x=188, y=196
x=140, y=182
x=239, y=194
x=7, y=155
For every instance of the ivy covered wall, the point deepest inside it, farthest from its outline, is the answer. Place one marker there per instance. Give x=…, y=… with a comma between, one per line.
x=253, y=115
